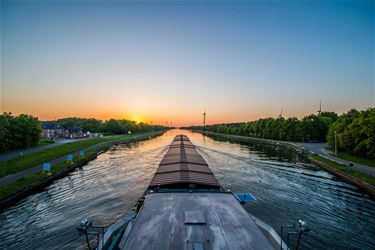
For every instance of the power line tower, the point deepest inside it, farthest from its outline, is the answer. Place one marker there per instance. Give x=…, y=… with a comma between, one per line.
x=320, y=107
x=281, y=113
x=204, y=118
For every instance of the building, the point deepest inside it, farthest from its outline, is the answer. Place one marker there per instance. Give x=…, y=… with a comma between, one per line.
x=74, y=133
x=93, y=135
x=52, y=130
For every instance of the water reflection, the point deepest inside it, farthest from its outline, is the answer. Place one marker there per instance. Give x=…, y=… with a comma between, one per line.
x=286, y=188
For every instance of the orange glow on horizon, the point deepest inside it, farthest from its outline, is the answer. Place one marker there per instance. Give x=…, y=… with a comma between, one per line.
x=172, y=113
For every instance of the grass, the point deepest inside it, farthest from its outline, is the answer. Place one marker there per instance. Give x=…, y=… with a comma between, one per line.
x=36, y=158
x=353, y=158
x=26, y=181
x=45, y=142
x=362, y=176
x=30, y=160
x=40, y=143
x=21, y=183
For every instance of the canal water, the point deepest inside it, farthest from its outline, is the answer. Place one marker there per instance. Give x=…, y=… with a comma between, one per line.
x=286, y=188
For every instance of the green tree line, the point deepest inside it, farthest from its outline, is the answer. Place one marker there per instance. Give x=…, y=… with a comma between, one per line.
x=24, y=130
x=111, y=126
x=18, y=131
x=309, y=128
x=355, y=133
x=355, y=130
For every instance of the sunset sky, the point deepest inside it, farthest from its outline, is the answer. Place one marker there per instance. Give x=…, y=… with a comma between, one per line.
x=168, y=61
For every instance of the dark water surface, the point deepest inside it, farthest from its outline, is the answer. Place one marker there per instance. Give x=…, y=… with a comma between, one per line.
x=286, y=188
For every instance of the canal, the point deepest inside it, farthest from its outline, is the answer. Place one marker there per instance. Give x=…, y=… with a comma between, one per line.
x=286, y=188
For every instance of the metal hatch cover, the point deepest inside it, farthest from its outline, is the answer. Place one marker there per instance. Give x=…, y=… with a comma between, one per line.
x=207, y=220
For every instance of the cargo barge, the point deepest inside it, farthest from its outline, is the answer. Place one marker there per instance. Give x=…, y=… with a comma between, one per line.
x=185, y=207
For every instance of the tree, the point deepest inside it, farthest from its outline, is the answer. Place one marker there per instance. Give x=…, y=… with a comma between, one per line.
x=355, y=133
x=331, y=115
x=113, y=126
x=222, y=128
x=18, y=131
x=87, y=124
x=5, y=134
x=311, y=127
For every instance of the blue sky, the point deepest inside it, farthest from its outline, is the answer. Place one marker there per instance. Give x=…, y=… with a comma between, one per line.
x=168, y=60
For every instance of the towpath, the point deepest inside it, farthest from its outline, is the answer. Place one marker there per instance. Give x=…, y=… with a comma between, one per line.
x=16, y=153
x=321, y=149
x=38, y=168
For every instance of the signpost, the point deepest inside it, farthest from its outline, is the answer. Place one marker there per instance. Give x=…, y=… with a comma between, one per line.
x=70, y=159
x=47, y=168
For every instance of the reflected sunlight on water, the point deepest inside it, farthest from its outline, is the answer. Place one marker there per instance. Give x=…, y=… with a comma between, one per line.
x=286, y=188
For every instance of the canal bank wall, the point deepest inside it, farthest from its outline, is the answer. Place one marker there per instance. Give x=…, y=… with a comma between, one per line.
x=301, y=152
x=39, y=186
x=287, y=145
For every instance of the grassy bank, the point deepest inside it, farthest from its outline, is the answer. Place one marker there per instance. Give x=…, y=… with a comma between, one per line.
x=41, y=156
x=356, y=159
x=20, y=184
x=44, y=142
x=30, y=160
x=362, y=176
x=345, y=169
x=35, y=178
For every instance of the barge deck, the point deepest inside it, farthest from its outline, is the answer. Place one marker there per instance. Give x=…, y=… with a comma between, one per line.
x=185, y=208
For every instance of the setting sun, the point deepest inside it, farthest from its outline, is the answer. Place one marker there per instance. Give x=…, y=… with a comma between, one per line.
x=187, y=124
x=137, y=119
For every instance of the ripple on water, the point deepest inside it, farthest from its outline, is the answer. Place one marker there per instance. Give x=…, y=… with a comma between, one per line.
x=286, y=189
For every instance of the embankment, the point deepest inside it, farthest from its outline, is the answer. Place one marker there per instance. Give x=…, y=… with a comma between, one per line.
x=38, y=186
x=303, y=153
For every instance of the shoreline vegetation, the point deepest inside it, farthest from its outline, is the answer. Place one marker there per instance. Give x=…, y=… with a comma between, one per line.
x=13, y=192
x=24, y=131
x=341, y=167
x=359, y=179
x=353, y=158
x=18, y=164
x=352, y=132
x=22, y=175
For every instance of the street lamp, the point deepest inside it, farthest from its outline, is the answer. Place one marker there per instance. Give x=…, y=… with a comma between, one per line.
x=335, y=143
